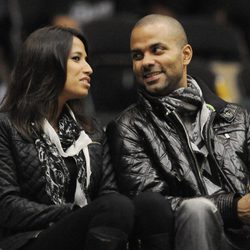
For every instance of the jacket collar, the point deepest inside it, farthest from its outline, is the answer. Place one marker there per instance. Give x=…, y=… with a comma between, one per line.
x=224, y=109
x=211, y=97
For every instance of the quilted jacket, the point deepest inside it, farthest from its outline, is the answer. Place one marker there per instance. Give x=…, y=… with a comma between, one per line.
x=151, y=152
x=25, y=208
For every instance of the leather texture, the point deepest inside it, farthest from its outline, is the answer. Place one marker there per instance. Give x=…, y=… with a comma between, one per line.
x=25, y=208
x=151, y=153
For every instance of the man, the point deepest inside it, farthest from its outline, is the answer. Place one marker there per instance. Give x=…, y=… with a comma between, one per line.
x=183, y=142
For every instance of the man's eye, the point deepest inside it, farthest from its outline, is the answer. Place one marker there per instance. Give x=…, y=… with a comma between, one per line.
x=137, y=56
x=157, y=50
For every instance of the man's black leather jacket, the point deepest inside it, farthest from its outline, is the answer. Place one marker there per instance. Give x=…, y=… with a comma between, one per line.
x=151, y=152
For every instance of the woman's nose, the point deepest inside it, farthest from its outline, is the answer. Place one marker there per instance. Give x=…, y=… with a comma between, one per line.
x=87, y=68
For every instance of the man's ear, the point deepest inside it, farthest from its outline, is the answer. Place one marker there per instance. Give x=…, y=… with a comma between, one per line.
x=187, y=54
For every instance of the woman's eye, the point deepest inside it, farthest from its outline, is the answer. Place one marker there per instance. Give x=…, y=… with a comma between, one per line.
x=76, y=58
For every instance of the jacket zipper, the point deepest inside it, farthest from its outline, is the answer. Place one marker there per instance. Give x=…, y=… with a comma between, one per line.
x=195, y=166
x=211, y=153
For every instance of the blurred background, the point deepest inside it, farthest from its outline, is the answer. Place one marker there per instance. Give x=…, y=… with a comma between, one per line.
x=218, y=30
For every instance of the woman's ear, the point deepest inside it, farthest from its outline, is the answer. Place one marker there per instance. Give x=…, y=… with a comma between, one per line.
x=187, y=54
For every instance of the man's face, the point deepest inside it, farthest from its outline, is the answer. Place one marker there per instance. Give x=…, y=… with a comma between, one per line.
x=159, y=59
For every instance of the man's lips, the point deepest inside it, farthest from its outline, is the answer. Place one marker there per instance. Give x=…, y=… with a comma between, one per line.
x=152, y=76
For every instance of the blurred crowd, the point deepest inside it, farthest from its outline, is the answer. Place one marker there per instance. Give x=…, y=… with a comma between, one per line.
x=18, y=18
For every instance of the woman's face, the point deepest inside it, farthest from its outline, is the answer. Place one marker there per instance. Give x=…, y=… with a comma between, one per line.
x=78, y=73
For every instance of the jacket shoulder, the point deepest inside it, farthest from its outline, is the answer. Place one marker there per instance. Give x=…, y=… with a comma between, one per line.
x=4, y=116
x=128, y=122
x=234, y=111
x=129, y=115
x=5, y=121
x=96, y=133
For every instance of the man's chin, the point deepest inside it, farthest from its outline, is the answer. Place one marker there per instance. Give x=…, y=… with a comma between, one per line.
x=153, y=86
x=158, y=90
x=153, y=90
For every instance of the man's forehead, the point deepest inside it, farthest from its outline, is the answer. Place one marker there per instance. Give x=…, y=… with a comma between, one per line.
x=151, y=34
x=159, y=32
x=154, y=25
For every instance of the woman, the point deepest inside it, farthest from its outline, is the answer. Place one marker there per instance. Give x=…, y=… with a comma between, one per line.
x=57, y=188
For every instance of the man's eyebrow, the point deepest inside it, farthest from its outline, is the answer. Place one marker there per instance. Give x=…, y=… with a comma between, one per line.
x=134, y=50
x=150, y=46
x=156, y=45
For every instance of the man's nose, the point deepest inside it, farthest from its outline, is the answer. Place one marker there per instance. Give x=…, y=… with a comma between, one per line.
x=148, y=60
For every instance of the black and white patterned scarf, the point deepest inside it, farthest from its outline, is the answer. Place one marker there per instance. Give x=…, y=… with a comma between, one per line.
x=184, y=100
x=189, y=104
x=72, y=141
x=194, y=112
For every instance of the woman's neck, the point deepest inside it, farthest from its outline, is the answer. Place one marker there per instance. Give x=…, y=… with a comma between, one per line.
x=53, y=120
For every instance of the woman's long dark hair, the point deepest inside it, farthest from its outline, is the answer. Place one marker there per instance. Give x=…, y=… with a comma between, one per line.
x=38, y=78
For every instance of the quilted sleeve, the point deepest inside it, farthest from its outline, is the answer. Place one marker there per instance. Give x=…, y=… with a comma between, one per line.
x=17, y=212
